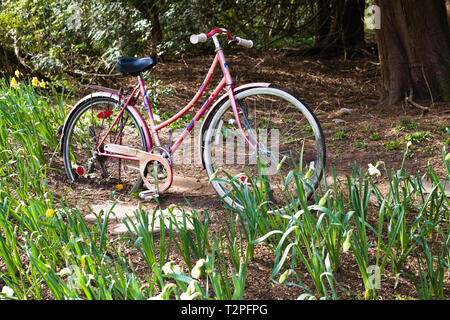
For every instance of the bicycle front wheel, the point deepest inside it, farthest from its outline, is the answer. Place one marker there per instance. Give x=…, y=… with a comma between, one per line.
x=87, y=127
x=281, y=126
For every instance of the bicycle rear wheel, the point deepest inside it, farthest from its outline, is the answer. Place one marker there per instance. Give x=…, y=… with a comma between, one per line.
x=284, y=126
x=86, y=129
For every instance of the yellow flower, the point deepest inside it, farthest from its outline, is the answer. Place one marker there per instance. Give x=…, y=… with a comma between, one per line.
x=13, y=83
x=42, y=84
x=119, y=187
x=50, y=213
x=83, y=261
x=17, y=73
x=35, y=82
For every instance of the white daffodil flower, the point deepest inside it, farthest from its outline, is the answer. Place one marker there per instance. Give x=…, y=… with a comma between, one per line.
x=186, y=296
x=374, y=170
x=165, y=290
x=347, y=244
x=198, y=270
x=7, y=291
x=64, y=272
x=169, y=268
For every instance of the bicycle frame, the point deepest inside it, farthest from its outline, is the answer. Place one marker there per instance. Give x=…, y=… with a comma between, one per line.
x=226, y=83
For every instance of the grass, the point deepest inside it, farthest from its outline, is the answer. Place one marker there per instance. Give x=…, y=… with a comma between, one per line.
x=409, y=124
x=340, y=134
x=361, y=144
x=374, y=136
x=48, y=251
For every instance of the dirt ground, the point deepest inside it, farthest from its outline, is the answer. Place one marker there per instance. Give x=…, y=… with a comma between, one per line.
x=358, y=134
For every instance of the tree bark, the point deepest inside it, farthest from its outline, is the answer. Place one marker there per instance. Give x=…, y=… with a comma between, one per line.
x=150, y=10
x=324, y=21
x=448, y=12
x=414, y=50
x=156, y=31
x=353, y=23
x=9, y=62
x=341, y=25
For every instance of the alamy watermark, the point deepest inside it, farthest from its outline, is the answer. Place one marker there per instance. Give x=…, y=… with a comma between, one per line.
x=373, y=19
x=374, y=280
x=228, y=146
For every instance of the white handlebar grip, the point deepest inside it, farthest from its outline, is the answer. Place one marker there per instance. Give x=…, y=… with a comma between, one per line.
x=196, y=38
x=244, y=42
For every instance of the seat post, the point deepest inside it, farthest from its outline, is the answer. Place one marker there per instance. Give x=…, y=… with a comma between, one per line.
x=148, y=110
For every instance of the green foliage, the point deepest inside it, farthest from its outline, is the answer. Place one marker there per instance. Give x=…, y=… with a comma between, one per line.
x=374, y=136
x=416, y=137
x=53, y=36
x=410, y=124
x=340, y=134
x=393, y=145
x=361, y=144
x=66, y=35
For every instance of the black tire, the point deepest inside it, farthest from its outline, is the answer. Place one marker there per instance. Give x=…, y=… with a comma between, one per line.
x=84, y=126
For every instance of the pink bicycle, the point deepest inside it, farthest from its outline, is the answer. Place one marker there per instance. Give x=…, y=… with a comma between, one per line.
x=105, y=139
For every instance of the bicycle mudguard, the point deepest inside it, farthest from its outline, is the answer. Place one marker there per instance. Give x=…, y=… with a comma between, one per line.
x=212, y=110
x=132, y=109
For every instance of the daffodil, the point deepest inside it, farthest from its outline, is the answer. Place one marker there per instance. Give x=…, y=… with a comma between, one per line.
x=214, y=175
x=373, y=170
x=64, y=272
x=13, y=83
x=165, y=292
x=281, y=163
x=7, y=292
x=17, y=73
x=50, y=213
x=35, y=82
x=42, y=84
x=323, y=200
x=198, y=270
x=347, y=243
x=170, y=268
x=284, y=276
x=185, y=296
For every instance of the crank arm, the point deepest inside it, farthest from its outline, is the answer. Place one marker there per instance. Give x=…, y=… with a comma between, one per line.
x=144, y=158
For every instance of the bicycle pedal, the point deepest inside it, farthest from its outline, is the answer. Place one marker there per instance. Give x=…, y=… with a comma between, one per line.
x=148, y=195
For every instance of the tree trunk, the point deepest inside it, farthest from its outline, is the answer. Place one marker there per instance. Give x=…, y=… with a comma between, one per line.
x=448, y=12
x=9, y=62
x=150, y=10
x=156, y=31
x=341, y=25
x=414, y=50
x=353, y=23
x=324, y=21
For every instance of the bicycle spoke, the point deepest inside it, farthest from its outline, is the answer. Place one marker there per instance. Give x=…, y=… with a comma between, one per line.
x=281, y=130
x=88, y=128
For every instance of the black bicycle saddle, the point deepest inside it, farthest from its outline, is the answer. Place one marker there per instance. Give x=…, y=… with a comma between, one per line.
x=134, y=66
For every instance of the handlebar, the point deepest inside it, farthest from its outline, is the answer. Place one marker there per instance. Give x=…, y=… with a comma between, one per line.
x=196, y=38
